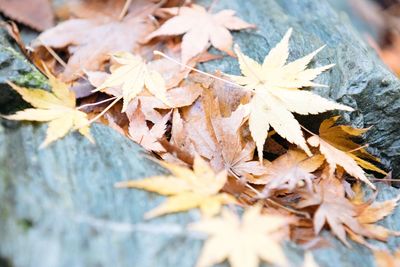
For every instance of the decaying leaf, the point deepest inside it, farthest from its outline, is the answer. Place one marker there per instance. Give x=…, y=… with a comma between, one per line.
x=334, y=209
x=141, y=134
x=275, y=85
x=243, y=241
x=200, y=28
x=91, y=41
x=186, y=188
x=37, y=14
x=57, y=108
x=289, y=171
x=371, y=212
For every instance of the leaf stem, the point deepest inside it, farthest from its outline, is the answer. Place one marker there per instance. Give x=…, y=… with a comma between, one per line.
x=273, y=202
x=104, y=111
x=124, y=9
x=196, y=70
x=96, y=103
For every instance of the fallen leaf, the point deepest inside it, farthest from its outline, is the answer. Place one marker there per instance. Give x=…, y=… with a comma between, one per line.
x=334, y=209
x=289, y=171
x=340, y=136
x=37, y=14
x=58, y=108
x=186, y=188
x=133, y=75
x=276, y=96
x=141, y=134
x=336, y=157
x=243, y=241
x=200, y=28
x=91, y=41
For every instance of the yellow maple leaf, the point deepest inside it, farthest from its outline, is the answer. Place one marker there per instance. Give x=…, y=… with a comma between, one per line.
x=243, y=242
x=133, y=75
x=58, y=108
x=275, y=85
x=340, y=137
x=186, y=188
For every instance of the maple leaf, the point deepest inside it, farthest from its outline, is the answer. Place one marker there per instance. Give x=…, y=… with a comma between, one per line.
x=57, y=108
x=384, y=258
x=133, y=75
x=200, y=28
x=371, y=212
x=141, y=134
x=289, y=170
x=340, y=136
x=206, y=132
x=243, y=241
x=38, y=14
x=336, y=157
x=186, y=188
x=334, y=209
x=275, y=85
x=91, y=40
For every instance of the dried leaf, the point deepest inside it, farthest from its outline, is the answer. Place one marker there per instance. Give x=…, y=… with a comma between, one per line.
x=289, y=171
x=384, y=258
x=91, y=41
x=340, y=136
x=133, y=75
x=37, y=14
x=186, y=189
x=200, y=28
x=243, y=242
x=336, y=157
x=57, y=108
x=141, y=134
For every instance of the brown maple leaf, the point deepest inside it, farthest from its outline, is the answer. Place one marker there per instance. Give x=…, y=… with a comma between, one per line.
x=333, y=209
x=290, y=170
x=90, y=41
x=200, y=28
x=37, y=14
x=205, y=131
x=141, y=134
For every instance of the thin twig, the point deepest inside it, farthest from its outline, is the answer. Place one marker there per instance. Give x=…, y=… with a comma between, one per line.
x=124, y=9
x=96, y=103
x=54, y=54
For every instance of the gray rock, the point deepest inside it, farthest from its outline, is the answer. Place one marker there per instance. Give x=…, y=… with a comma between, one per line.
x=16, y=68
x=59, y=208
x=359, y=78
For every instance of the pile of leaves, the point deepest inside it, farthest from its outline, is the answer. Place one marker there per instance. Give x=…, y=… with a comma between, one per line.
x=231, y=142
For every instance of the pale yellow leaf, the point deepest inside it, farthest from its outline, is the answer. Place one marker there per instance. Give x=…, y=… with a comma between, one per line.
x=57, y=108
x=276, y=96
x=186, y=188
x=243, y=242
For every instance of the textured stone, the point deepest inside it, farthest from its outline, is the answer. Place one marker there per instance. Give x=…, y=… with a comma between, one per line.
x=16, y=68
x=59, y=208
